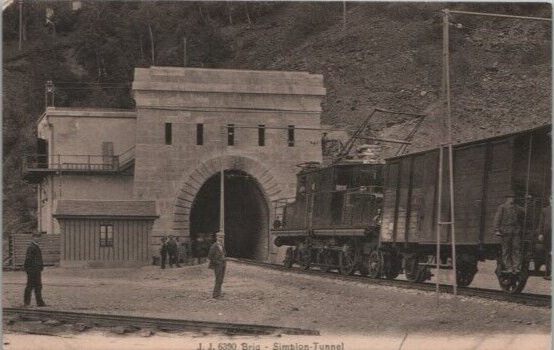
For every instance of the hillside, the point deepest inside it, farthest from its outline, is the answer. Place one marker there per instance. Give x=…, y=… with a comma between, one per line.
x=388, y=56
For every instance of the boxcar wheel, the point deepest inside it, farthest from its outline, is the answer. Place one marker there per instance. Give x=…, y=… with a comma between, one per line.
x=289, y=258
x=348, y=259
x=375, y=264
x=465, y=274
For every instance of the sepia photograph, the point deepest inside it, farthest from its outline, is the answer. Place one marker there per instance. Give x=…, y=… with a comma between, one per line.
x=276, y=175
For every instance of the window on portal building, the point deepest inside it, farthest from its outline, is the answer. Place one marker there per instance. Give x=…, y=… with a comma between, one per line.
x=199, y=134
x=230, y=134
x=106, y=235
x=168, y=133
x=261, y=135
x=291, y=136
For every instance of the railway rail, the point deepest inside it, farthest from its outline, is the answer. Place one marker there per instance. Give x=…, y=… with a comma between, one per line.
x=164, y=324
x=541, y=300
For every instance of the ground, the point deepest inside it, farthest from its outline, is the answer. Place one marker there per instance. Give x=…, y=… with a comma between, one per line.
x=257, y=295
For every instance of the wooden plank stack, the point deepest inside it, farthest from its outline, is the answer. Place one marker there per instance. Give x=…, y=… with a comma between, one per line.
x=49, y=244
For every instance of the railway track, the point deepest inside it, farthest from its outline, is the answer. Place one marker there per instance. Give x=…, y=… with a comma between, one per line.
x=164, y=324
x=541, y=300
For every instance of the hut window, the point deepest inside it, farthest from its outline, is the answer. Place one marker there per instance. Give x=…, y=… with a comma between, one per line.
x=291, y=136
x=106, y=235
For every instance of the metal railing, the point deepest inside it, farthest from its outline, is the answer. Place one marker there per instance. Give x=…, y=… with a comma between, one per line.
x=71, y=162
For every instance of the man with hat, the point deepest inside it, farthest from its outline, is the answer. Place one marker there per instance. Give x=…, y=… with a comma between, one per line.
x=508, y=224
x=218, y=263
x=163, y=251
x=545, y=234
x=173, y=251
x=33, y=267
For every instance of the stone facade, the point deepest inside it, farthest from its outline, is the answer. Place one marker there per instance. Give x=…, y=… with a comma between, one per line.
x=171, y=169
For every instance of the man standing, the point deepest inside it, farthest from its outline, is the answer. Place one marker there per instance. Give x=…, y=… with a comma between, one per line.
x=33, y=267
x=218, y=262
x=545, y=235
x=173, y=251
x=324, y=142
x=163, y=251
x=508, y=223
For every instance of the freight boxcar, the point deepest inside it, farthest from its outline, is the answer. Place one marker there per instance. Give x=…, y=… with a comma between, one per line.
x=334, y=217
x=485, y=171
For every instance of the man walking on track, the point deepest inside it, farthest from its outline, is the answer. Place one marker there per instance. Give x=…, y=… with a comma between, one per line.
x=508, y=224
x=218, y=262
x=33, y=267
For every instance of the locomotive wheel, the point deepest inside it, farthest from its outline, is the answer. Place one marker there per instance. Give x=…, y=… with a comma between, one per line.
x=305, y=258
x=375, y=264
x=328, y=260
x=465, y=274
x=347, y=259
x=512, y=283
x=289, y=258
x=394, y=266
x=414, y=272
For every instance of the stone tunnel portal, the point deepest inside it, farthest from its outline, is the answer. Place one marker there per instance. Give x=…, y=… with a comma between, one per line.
x=246, y=216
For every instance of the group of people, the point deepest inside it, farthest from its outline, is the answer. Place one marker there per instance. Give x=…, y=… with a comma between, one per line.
x=216, y=256
x=169, y=248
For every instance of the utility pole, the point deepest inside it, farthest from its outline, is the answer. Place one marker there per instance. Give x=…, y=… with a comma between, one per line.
x=184, y=51
x=344, y=14
x=449, y=140
x=151, y=44
x=20, y=25
x=222, y=185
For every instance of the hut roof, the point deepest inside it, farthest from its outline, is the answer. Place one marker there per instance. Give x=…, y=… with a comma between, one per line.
x=102, y=209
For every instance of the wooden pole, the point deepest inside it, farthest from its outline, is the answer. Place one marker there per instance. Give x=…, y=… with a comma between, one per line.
x=184, y=51
x=446, y=65
x=20, y=25
x=152, y=44
x=344, y=15
x=222, y=184
x=439, y=226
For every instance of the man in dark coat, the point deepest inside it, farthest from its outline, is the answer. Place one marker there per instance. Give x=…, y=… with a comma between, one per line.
x=33, y=267
x=508, y=224
x=218, y=262
x=173, y=251
x=163, y=252
x=545, y=234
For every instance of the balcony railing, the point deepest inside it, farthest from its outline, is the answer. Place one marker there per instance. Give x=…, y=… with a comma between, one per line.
x=70, y=163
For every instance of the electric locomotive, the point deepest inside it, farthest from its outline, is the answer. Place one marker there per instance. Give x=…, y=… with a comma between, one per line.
x=381, y=218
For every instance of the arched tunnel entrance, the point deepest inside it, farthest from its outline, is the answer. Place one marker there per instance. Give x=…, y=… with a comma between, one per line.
x=246, y=216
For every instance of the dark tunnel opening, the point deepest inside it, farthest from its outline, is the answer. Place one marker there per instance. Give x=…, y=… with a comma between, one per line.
x=246, y=216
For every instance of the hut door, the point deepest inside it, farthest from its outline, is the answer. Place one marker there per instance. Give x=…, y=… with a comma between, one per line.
x=107, y=155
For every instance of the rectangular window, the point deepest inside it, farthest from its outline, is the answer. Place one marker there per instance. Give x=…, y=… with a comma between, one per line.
x=168, y=133
x=199, y=134
x=261, y=135
x=106, y=235
x=231, y=134
x=291, y=136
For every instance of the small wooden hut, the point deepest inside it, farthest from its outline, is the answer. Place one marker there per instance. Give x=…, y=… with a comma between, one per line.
x=106, y=233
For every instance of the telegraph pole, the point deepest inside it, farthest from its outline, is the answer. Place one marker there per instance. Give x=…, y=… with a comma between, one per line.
x=20, y=25
x=222, y=184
